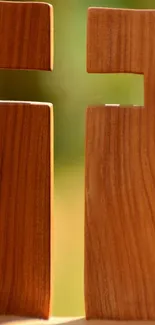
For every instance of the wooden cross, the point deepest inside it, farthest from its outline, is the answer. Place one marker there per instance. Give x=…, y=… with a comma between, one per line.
x=120, y=173
x=26, y=166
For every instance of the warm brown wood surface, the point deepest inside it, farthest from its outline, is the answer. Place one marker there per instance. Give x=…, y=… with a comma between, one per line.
x=26, y=35
x=120, y=173
x=25, y=208
x=119, y=40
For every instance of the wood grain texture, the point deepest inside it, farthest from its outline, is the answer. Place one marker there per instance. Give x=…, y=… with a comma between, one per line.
x=119, y=40
x=26, y=35
x=25, y=208
x=120, y=173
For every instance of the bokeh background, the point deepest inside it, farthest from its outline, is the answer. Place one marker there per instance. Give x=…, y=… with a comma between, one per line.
x=71, y=90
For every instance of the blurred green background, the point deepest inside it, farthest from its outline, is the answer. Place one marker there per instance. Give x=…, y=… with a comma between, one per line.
x=71, y=90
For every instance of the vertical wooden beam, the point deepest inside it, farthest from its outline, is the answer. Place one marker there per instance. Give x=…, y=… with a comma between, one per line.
x=26, y=166
x=120, y=173
x=25, y=190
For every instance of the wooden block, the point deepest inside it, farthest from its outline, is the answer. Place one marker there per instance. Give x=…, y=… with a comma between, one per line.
x=25, y=206
x=26, y=35
x=120, y=173
x=120, y=40
x=120, y=214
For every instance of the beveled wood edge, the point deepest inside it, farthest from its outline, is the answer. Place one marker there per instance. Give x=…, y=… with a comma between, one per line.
x=12, y=320
x=27, y=102
x=91, y=8
x=29, y=2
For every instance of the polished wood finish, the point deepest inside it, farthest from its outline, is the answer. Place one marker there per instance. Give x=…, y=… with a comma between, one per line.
x=26, y=141
x=26, y=35
x=120, y=40
x=120, y=173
